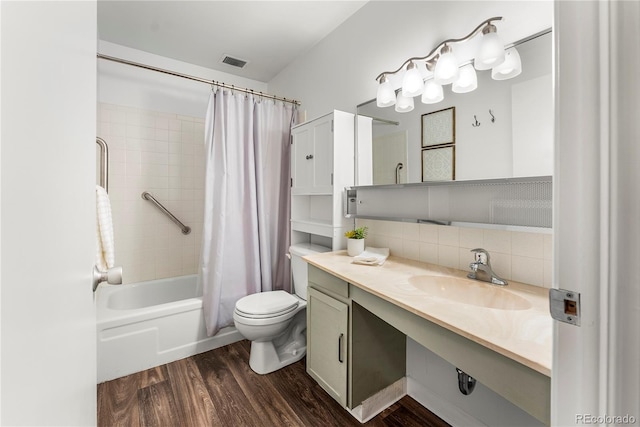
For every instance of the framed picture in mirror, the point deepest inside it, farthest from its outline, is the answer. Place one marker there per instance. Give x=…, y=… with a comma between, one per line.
x=439, y=128
x=438, y=164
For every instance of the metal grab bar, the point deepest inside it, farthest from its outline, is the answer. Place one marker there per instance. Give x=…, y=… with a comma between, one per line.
x=104, y=163
x=147, y=196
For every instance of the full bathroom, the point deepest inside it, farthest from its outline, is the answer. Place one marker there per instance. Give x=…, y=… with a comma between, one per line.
x=291, y=231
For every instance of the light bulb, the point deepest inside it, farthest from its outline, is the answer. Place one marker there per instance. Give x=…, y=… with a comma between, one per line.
x=404, y=104
x=447, y=67
x=412, y=84
x=432, y=92
x=491, y=52
x=386, y=96
x=510, y=68
x=467, y=81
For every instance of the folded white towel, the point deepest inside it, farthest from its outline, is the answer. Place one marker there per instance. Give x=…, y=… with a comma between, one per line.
x=372, y=256
x=105, y=246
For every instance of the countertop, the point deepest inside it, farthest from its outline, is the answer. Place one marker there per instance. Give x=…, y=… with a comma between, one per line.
x=521, y=332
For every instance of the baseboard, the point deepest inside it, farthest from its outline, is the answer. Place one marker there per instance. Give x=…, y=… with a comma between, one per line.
x=380, y=401
x=442, y=408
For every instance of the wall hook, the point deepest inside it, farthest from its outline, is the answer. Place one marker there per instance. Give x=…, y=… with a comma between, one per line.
x=477, y=123
x=493, y=118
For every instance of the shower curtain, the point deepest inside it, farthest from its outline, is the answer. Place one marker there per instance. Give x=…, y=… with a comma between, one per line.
x=246, y=218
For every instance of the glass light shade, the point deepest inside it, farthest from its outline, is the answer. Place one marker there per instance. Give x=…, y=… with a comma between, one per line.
x=404, y=104
x=491, y=52
x=446, y=68
x=432, y=92
x=467, y=81
x=386, y=96
x=510, y=68
x=412, y=83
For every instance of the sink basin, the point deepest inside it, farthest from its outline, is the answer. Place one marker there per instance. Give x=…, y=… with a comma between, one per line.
x=463, y=291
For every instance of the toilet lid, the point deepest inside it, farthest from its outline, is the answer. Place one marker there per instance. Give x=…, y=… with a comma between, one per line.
x=266, y=304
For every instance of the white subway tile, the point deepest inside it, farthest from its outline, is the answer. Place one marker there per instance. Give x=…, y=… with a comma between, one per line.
x=527, y=270
x=527, y=244
x=175, y=125
x=448, y=235
x=448, y=256
x=411, y=249
x=429, y=233
x=186, y=137
x=429, y=252
x=411, y=231
x=548, y=246
x=395, y=246
x=498, y=241
x=471, y=238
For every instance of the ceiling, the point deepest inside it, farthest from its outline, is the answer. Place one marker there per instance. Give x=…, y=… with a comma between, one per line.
x=268, y=34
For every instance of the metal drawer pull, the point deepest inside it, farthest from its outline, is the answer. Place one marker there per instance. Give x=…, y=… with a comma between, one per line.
x=340, y=348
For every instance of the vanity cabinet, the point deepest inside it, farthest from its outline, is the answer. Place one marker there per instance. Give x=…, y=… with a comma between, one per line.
x=322, y=165
x=351, y=353
x=327, y=334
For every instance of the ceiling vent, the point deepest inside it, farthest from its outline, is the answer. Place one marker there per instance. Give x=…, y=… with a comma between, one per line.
x=235, y=62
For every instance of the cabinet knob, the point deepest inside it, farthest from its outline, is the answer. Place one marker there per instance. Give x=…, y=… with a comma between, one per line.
x=309, y=156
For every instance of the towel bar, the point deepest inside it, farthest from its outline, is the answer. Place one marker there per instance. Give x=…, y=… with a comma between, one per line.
x=147, y=196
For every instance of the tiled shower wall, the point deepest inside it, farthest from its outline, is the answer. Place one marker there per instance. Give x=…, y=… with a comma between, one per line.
x=515, y=255
x=164, y=155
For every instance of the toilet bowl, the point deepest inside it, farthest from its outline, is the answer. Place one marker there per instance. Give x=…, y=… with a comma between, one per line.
x=275, y=322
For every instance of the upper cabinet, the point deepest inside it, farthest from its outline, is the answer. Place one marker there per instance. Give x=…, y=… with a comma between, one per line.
x=322, y=165
x=313, y=152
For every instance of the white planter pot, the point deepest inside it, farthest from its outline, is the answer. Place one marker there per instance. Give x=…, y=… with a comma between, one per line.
x=355, y=247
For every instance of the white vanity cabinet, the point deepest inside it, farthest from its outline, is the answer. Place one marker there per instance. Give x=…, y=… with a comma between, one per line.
x=327, y=333
x=322, y=164
x=350, y=353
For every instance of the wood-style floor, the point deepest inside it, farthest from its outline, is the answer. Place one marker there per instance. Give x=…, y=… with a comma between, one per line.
x=218, y=388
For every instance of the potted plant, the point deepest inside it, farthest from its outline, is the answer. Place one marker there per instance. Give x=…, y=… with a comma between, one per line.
x=355, y=240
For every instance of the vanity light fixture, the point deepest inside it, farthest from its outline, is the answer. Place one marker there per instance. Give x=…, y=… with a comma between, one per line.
x=468, y=80
x=386, y=95
x=404, y=104
x=510, y=68
x=443, y=68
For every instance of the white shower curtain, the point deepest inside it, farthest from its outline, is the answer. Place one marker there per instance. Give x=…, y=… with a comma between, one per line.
x=246, y=230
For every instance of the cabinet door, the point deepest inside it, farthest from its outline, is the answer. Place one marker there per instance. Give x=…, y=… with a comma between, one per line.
x=327, y=343
x=323, y=155
x=301, y=160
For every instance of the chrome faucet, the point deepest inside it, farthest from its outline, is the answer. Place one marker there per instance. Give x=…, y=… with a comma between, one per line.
x=481, y=268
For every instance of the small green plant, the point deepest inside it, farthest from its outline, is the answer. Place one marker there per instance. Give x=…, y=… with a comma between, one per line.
x=358, y=233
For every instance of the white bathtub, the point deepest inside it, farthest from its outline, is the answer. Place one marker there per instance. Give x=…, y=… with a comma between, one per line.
x=148, y=324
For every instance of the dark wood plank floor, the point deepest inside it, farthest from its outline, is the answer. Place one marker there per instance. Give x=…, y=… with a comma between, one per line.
x=218, y=388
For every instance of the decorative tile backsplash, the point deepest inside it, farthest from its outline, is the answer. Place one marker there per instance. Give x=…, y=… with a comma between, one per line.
x=515, y=255
x=163, y=154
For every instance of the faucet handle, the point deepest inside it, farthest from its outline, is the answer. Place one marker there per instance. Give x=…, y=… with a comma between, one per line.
x=478, y=252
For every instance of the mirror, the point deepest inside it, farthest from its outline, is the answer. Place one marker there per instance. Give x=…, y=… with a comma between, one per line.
x=503, y=129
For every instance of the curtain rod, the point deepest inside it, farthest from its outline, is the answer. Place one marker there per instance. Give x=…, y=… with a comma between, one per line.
x=197, y=79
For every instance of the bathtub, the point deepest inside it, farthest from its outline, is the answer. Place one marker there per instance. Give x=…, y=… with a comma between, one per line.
x=148, y=324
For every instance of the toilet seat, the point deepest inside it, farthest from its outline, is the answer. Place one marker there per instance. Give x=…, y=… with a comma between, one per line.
x=265, y=305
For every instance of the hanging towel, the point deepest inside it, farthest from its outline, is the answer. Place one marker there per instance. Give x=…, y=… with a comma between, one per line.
x=105, y=247
x=372, y=256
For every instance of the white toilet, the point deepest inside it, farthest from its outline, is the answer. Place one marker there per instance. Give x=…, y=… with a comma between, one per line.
x=275, y=322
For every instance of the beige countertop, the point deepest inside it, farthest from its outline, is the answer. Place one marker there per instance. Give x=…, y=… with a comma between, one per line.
x=513, y=321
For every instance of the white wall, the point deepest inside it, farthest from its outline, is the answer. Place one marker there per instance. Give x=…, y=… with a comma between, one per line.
x=339, y=72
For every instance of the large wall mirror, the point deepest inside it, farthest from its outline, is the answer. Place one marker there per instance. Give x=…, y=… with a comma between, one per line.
x=503, y=129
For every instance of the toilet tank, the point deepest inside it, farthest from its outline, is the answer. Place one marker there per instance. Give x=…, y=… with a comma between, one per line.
x=299, y=266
